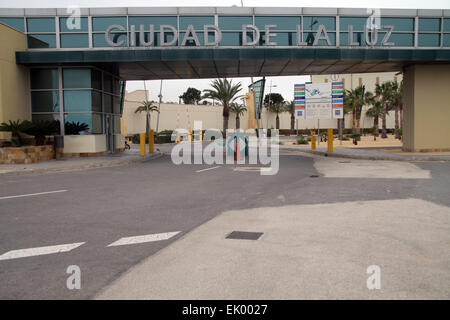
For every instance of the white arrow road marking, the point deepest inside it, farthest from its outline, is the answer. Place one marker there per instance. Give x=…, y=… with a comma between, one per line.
x=30, y=252
x=144, y=238
x=207, y=169
x=32, y=194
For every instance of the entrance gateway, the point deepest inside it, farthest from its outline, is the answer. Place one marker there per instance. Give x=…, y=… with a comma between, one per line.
x=73, y=64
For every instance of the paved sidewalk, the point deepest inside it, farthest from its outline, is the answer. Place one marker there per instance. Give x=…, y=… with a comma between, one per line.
x=71, y=164
x=366, y=153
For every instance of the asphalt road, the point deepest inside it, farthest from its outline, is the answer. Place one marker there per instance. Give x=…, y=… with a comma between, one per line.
x=103, y=205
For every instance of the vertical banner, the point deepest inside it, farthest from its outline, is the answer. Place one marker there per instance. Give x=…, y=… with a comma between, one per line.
x=258, y=90
x=338, y=99
x=299, y=101
x=318, y=100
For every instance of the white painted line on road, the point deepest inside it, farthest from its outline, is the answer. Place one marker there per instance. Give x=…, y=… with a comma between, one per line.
x=30, y=252
x=207, y=169
x=144, y=238
x=32, y=194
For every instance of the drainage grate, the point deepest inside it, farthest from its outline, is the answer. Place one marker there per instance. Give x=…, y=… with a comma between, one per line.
x=345, y=162
x=314, y=176
x=244, y=235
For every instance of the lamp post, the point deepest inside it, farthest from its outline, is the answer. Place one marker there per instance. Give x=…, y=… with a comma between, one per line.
x=270, y=103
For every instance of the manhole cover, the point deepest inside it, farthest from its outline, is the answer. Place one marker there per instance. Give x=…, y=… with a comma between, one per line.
x=244, y=235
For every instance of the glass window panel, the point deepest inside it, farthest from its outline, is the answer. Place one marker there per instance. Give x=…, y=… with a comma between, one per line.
x=99, y=39
x=309, y=37
x=197, y=22
x=429, y=24
x=96, y=101
x=44, y=78
x=447, y=25
x=233, y=23
x=63, y=27
x=77, y=78
x=97, y=123
x=44, y=101
x=107, y=83
x=156, y=21
x=191, y=42
x=16, y=23
x=77, y=100
x=108, y=103
x=283, y=23
x=102, y=23
x=168, y=36
x=400, y=24
x=41, y=24
x=360, y=37
x=116, y=105
x=75, y=40
x=281, y=39
x=402, y=39
x=42, y=41
x=231, y=39
x=312, y=23
x=429, y=40
x=358, y=23
x=116, y=124
x=446, y=40
x=46, y=116
x=81, y=118
x=96, y=79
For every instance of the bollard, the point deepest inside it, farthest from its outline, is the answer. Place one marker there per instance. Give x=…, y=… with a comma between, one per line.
x=190, y=135
x=313, y=140
x=330, y=140
x=236, y=149
x=151, y=141
x=200, y=134
x=178, y=138
x=142, y=144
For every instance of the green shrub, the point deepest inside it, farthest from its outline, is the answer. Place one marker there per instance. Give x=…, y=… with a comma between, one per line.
x=302, y=141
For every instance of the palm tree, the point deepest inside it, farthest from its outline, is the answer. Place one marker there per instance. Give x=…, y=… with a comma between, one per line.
x=226, y=92
x=397, y=102
x=290, y=107
x=147, y=106
x=278, y=108
x=383, y=93
x=375, y=112
x=356, y=98
x=239, y=110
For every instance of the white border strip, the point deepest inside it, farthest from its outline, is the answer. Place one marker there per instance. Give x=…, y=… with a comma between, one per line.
x=31, y=252
x=144, y=238
x=32, y=194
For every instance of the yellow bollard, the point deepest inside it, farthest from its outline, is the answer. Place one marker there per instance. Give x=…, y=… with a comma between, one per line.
x=178, y=138
x=190, y=135
x=151, y=141
x=200, y=135
x=313, y=140
x=142, y=144
x=330, y=140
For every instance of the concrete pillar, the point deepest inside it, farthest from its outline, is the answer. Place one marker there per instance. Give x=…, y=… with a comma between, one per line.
x=250, y=104
x=426, y=108
x=14, y=79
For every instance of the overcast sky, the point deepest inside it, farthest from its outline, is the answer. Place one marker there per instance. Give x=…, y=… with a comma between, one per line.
x=174, y=88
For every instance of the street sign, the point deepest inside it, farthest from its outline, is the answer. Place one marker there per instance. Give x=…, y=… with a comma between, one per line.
x=319, y=100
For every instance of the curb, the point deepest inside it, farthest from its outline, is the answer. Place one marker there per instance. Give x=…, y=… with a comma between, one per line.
x=362, y=157
x=105, y=164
